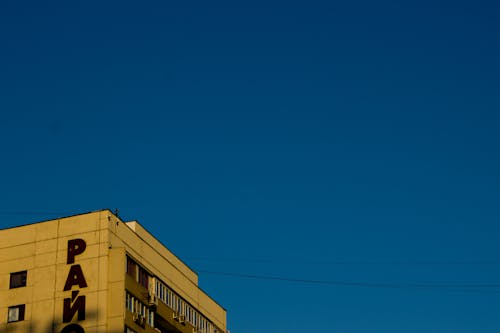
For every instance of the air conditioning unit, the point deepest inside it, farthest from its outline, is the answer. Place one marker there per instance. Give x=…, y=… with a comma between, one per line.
x=175, y=315
x=152, y=285
x=182, y=319
x=152, y=281
x=152, y=300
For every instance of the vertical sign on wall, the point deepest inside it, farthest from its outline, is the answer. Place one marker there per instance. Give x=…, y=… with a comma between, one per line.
x=76, y=303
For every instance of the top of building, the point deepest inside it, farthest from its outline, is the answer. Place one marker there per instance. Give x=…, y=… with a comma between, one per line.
x=111, y=245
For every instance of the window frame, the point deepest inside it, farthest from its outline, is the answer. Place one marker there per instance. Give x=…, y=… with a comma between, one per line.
x=131, y=268
x=21, y=308
x=23, y=281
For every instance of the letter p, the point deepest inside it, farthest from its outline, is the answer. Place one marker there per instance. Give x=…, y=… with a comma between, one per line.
x=75, y=247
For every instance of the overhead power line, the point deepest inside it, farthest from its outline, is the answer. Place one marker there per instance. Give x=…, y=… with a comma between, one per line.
x=448, y=286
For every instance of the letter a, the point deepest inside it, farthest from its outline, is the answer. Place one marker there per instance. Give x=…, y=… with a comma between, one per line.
x=75, y=276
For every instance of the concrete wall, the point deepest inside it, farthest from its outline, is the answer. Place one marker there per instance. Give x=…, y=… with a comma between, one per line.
x=152, y=255
x=42, y=250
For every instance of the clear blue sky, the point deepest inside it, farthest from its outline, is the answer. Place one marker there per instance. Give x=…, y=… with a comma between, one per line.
x=348, y=141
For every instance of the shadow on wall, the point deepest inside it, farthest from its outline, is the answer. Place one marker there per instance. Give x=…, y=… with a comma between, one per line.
x=32, y=327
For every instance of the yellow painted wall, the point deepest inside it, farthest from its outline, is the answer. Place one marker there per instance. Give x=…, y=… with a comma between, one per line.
x=41, y=249
x=148, y=252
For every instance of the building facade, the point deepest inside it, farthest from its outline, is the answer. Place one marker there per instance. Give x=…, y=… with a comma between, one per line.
x=94, y=273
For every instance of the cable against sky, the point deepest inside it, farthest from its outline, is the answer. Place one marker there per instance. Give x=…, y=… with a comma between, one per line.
x=447, y=286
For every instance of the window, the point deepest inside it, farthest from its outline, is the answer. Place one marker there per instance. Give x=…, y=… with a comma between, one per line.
x=18, y=279
x=138, y=273
x=129, y=303
x=151, y=318
x=131, y=268
x=134, y=305
x=16, y=313
x=143, y=278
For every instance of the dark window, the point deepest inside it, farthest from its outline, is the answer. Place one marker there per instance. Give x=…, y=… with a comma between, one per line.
x=137, y=272
x=143, y=278
x=16, y=313
x=131, y=268
x=18, y=279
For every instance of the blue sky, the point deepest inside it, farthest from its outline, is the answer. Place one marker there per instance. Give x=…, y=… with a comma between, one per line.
x=351, y=141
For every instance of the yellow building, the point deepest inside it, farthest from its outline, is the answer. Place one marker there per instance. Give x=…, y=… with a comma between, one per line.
x=93, y=273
